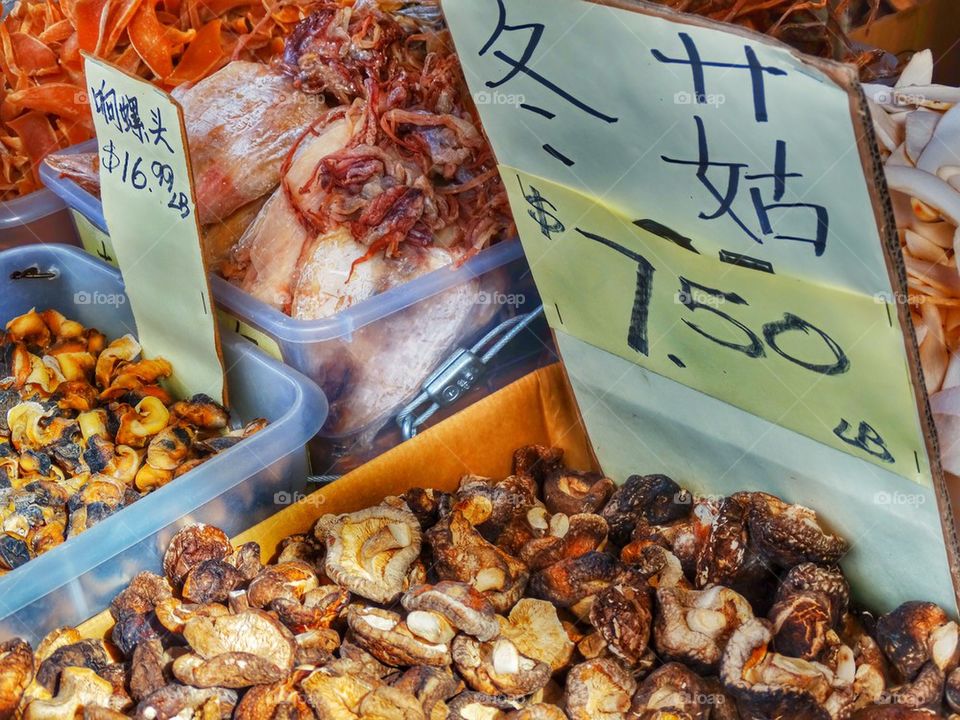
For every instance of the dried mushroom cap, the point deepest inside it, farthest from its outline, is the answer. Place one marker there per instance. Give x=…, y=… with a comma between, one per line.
x=79, y=687
x=288, y=580
x=431, y=686
x=827, y=580
x=385, y=635
x=463, y=607
x=174, y=702
x=190, y=547
x=461, y=554
x=536, y=461
x=337, y=696
x=369, y=552
x=894, y=712
x=16, y=672
x=571, y=492
x=672, y=690
x=142, y=595
x=769, y=683
x=279, y=700
x=497, y=667
x=174, y=614
x=598, y=690
x=570, y=537
x=692, y=626
x=305, y=548
x=913, y=634
x=538, y=711
x=131, y=629
x=391, y=703
x=425, y=503
x=211, y=581
x=800, y=624
x=503, y=501
x=623, y=617
x=650, y=497
x=926, y=690
x=315, y=647
x=317, y=609
x=85, y=653
x=952, y=691
x=251, y=648
x=147, y=669
x=480, y=706
x=569, y=581
x=536, y=631
x=788, y=535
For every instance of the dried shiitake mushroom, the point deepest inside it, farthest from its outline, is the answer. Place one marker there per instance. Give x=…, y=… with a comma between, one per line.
x=598, y=689
x=386, y=636
x=16, y=672
x=655, y=498
x=523, y=612
x=788, y=535
x=370, y=552
x=461, y=553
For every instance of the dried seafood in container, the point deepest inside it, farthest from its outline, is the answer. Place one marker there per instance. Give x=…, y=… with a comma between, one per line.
x=354, y=621
x=917, y=125
x=86, y=428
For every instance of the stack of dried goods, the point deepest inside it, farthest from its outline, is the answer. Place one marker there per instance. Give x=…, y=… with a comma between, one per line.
x=549, y=594
x=86, y=429
x=917, y=125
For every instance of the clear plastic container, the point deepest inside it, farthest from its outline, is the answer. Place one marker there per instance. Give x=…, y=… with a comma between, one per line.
x=232, y=490
x=356, y=343
x=40, y=217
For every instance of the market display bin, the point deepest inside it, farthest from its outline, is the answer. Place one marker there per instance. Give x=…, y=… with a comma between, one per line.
x=352, y=348
x=39, y=217
x=231, y=490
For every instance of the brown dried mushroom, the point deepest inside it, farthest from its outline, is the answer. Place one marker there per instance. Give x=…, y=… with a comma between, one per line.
x=462, y=554
x=497, y=667
x=385, y=635
x=623, y=616
x=191, y=546
x=672, y=690
x=788, y=535
x=915, y=633
x=16, y=672
x=463, y=607
x=369, y=552
x=654, y=498
x=598, y=690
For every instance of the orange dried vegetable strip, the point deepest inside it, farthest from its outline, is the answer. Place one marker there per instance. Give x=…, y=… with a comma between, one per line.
x=33, y=56
x=91, y=21
x=34, y=130
x=61, y=99
x=57, y=32
x=119, y=20
x=154, y=41
x=202, y=55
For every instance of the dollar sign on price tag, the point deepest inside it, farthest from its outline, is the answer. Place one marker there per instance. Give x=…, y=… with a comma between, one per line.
x=149, y=206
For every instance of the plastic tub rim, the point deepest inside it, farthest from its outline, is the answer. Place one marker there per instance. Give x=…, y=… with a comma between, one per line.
x=30, y=208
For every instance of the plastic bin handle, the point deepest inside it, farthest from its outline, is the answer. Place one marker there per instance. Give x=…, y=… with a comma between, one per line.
x=459, y=373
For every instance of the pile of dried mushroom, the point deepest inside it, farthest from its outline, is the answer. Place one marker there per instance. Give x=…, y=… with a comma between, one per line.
x=549, y=594
x=86, y=429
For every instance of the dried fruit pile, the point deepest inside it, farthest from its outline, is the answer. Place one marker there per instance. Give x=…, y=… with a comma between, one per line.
x=86, y=429
x=550, y=594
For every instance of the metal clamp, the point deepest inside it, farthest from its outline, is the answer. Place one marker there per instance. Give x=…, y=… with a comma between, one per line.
x=459, y=373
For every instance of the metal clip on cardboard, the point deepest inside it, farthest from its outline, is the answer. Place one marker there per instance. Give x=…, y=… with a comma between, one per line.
x=459, y=373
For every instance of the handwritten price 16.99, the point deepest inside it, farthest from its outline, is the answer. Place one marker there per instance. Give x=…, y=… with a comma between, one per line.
x=133, y=170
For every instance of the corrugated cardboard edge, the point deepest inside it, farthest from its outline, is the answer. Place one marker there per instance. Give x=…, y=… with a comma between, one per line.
x=537, y=409
x=845, y=77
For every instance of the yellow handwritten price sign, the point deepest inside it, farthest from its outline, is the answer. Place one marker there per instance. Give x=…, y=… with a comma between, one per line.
x=150, y=209
x=703, y=202
x=825, y=362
